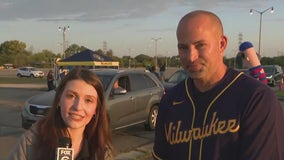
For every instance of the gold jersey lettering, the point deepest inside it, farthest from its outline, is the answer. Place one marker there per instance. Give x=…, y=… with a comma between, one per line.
x=175, y=134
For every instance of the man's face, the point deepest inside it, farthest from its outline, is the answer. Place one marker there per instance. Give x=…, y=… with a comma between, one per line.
x=199, y=47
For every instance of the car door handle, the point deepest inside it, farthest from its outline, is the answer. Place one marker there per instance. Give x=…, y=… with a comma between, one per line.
x=131, y=98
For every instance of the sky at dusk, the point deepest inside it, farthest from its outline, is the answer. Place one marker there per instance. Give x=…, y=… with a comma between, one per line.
x=128, y=26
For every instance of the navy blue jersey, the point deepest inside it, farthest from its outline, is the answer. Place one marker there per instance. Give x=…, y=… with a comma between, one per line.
x=240, y=118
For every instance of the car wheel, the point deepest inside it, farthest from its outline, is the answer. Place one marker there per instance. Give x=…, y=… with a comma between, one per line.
x=152, y=118
x=19, y=75
x=32, y=76
x=273, y=83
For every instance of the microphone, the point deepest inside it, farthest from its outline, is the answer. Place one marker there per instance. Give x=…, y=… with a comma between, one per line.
x=64, y=150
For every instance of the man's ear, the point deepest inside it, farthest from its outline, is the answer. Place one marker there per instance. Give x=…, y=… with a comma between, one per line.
x=223, y=43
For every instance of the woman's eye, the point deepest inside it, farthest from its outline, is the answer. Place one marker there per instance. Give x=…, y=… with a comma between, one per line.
x=89, y=100
x=70, y=95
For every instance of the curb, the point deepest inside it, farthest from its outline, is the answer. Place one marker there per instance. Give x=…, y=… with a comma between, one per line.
x=31, y=86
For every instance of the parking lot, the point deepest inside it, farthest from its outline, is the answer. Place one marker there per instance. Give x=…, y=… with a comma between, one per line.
x=12, y=100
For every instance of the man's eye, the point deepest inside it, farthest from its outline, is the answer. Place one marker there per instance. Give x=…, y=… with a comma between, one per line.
x=199, y=45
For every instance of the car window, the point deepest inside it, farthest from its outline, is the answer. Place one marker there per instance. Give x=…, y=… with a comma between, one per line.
x=141, y=81
x=105, y=79
x=268, y=69
x=278, y=69
x=177, y=77
x=124, y=83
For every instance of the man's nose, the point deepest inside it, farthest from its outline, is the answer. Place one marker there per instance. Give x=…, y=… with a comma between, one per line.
x=191, y=54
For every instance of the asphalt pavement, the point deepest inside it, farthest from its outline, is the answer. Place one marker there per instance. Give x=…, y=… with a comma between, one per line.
x=138, y=153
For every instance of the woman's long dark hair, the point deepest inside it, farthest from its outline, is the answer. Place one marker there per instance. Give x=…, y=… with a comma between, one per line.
x=52, y=127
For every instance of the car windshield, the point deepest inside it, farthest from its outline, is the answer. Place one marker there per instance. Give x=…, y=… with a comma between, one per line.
x=177, y=77
x=105, y=79
x=268, y=69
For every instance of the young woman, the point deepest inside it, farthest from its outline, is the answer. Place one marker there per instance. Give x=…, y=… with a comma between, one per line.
x=78, y=112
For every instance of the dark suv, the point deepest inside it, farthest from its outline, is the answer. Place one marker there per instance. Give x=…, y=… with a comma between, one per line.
x=135, y=101
x=273, y=73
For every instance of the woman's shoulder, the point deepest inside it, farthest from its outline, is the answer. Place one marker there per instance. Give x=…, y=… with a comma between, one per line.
x=109, y=153
x=31, y=135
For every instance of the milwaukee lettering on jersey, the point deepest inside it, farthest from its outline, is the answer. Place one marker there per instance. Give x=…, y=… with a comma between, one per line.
x=175, y=135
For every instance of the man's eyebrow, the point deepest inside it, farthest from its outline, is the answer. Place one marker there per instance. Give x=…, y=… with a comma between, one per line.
x=197, y=42
x=194, y=43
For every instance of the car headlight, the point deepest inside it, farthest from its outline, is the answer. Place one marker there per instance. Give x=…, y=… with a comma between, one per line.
x=269, y=77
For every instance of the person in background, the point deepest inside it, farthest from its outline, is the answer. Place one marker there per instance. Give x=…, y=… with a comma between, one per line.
x=217, y=112
x=153, y=70
x=162, y=71
x=251, y=61
x=116, y=85
x=62, y=75
x=78, y=112
x=50, y=80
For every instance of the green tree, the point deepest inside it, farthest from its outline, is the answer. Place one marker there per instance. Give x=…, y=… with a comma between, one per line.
x=109, y=53
x=100, y=51
x=12, y=47
x=142, y=57
x=267, y=60
x=10, y=50
x=73, y=49
x=45, y=59
x=143, y=60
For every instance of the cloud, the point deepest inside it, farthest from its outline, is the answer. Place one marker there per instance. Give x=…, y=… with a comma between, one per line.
x=100, y=10
x=85, y=10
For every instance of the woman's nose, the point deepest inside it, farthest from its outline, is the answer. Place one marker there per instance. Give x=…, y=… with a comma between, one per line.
x=78, y=104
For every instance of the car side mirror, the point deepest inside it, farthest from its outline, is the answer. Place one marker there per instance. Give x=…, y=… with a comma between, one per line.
x=119, y=91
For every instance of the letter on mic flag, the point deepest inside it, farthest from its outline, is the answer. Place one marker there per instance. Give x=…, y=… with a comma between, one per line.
x=64, y=153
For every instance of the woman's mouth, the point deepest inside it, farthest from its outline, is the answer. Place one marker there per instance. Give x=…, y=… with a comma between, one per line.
x=76, y=117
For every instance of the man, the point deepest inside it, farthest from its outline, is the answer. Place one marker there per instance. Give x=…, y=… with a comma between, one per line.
x=50, y=80
x=162, y=71
x=216, y=113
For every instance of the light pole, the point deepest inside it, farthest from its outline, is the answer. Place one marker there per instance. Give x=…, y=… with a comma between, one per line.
x=260, y=23
x=63, y=29
x=129, y=60
x=156, y=57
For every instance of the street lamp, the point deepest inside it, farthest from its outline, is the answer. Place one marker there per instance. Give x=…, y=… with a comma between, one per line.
x=63, y=29
x=156, y=57
x=260, y=23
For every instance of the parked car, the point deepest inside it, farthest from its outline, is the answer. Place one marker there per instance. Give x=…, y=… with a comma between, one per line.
x=273, y=73
x=29, y=72
x=136, y=101
x=244, y=70
x=174, y=79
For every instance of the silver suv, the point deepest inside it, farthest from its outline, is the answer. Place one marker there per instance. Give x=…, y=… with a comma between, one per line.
x=135, y=101
x=29, y=72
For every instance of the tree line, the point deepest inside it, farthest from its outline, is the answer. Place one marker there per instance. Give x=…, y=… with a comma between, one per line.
x=16, y=52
